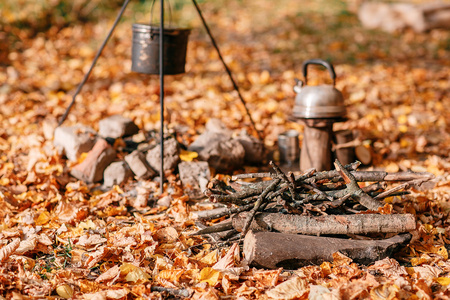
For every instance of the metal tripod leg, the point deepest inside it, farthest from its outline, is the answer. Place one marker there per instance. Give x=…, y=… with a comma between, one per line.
x=235, y=86
x=86, y=76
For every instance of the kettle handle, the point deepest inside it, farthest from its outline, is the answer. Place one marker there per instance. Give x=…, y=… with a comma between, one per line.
x=318, y=62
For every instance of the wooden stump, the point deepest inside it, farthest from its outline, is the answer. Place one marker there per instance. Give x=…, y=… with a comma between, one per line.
x=316, y=147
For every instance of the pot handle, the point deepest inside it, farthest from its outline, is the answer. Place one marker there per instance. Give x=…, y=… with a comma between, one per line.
x=318, y=62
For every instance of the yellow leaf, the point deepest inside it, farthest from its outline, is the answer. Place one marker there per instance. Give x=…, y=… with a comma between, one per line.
x=293, y=288
x=443, y=280
x=188, y=155
x=43, y=218
x=403, y=128
x=325, y=268
x=210, y=276
x=402, y=119
x=65, y=291
x=428, y=227
x=442, y=251
x=210, y=259
x=133, y=273
x=82, y=157
x=171, y=275
x=118, y=189
x=87, y=225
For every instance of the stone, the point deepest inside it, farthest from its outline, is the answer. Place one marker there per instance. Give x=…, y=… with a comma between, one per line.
x=215, y=130
x=74, y=140
x=171, y=155
x=216, y=125
x=92, y=167
x=217, y=146
x=117, y=126
x=164, y=201
x=116, y=174
x=138, y=164
x=223, y=155
x=194, y=176
x=254, y=148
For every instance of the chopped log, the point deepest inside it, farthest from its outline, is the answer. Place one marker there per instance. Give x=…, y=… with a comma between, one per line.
x=273, y=250
x=363, y=154
x=345, y=146
x=393, y=17
x=325, y=225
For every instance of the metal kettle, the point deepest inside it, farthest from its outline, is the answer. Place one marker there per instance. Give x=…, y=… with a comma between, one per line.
x=318, y=102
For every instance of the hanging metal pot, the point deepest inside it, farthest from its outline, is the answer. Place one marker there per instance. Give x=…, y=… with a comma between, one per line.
x=318, y=102
x=145, y=49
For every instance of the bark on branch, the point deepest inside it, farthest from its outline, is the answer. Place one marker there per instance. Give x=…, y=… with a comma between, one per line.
x=326, y=225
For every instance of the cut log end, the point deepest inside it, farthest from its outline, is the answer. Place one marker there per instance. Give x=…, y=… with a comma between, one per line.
x=363, y=154
x=248, y=248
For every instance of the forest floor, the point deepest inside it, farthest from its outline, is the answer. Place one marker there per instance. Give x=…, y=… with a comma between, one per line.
x=62, y=238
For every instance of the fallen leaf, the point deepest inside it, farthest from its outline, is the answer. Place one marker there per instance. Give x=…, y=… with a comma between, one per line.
x=294, y=288
x=133, y=273
x=188, y=155
x=210, y=276
x=9, y=249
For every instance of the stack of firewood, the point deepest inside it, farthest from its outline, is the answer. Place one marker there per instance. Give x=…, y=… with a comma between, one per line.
x=290, y=221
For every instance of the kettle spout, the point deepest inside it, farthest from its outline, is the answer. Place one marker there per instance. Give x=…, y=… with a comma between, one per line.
x=298, y=85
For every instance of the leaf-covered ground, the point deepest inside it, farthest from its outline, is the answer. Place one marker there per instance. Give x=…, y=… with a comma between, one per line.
x=61, y=238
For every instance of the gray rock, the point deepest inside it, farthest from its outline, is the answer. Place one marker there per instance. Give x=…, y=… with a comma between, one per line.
x=138, y=164
x=164, y=201
x=216, y=125
x=254, y=148
x=74, y=140
x=92, y=167
x=117, y=126
x=223, y=155
x=116, y=174
x=215, y=130
x=194, y=176
x=171, y=155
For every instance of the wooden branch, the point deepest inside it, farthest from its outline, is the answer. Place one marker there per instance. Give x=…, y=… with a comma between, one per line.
x=273, y=250
x=222, y=226
x=320, y=194
x=325, y=225
x=220, y=212
x=252, y=175
x=361, y=176
x=258, y=203
x=329, y=174
x=283, y=177
x=353, y=187
x=399, y=187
